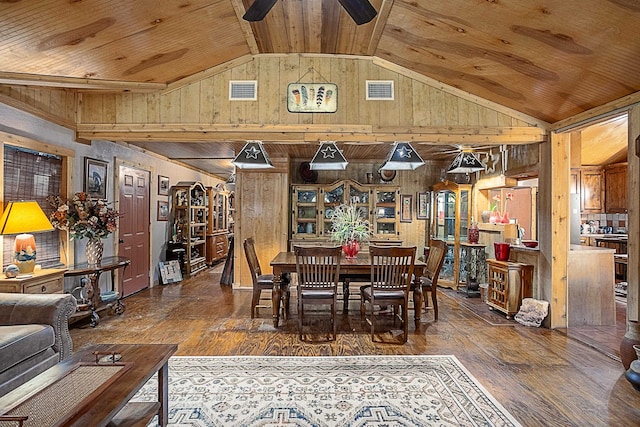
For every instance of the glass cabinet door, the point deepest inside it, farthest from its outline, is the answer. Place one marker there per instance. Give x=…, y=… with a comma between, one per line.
x=445, y=215
x=464, y=214
x=333, y=196
x=385, y=213
x=306, y=212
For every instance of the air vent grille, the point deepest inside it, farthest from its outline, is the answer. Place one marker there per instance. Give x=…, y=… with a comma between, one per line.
x=243, y=90
x=380, y=90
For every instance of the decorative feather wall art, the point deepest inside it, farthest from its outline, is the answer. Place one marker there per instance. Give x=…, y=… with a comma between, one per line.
x=312, y=97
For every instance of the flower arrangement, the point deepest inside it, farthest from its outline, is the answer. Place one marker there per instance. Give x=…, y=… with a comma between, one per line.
x=83, y=216
x=349, y=224
x=500, y=215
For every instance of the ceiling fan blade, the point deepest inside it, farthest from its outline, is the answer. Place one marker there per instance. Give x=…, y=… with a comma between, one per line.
x=361, y=11
x=258, y=10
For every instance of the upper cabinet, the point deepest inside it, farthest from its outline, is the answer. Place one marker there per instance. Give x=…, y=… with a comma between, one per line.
x=313, y=205
x=588, y=181
x=615, y=179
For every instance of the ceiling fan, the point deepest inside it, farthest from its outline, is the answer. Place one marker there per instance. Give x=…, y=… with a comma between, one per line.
x=361, y=11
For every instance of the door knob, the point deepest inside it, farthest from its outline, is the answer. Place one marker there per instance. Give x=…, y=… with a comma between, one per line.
x=120, y=241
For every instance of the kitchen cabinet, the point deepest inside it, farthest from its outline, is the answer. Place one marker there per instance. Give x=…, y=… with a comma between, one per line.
x=591, y=189
x=451, y=219
x=190, y=215
x=313, y=205
x=615, y=179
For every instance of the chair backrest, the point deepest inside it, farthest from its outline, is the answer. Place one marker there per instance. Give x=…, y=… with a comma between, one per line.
x=252, y=259
x=437, y=252
x=317, y=267
x=392, y=267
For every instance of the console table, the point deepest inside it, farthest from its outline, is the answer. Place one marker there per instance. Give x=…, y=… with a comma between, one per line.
x=93, y=272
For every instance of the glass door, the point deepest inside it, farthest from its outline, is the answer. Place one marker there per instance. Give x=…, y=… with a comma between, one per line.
x=305, y=212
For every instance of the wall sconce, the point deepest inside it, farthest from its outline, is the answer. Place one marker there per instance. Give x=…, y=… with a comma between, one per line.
x=252, y=156
x=465, y=162
x=328, y=157
x=22, y=218
x=402, y=157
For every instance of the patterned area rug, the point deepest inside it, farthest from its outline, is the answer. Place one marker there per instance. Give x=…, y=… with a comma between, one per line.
x=326, y=391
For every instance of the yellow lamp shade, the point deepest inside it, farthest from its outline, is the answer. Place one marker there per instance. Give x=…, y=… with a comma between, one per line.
x=22, y=218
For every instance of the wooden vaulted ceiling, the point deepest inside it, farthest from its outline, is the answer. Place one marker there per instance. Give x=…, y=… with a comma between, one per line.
x=550, y=60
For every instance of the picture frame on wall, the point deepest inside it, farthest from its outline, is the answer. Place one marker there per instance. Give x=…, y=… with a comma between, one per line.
x=423, y=206
x=406, y=208
x=163, y=185
x=312, y=97
x=163, y=210
x=95, y=178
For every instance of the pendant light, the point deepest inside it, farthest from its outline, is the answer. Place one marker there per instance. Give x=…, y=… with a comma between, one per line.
x=465, y=162
x=328, y=157
x=402, y=157
x=252, y=156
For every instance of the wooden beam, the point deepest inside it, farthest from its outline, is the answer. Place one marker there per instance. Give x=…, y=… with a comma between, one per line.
x=23, y=79
x=245, y=26
x=618, y=106
x=193, y=78
x=312, y=133
x=381, y=21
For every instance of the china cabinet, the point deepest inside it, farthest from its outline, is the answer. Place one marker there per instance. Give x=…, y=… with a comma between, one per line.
x=217, y=225
x=451, y=219
x=313, y=205
x=190, y=216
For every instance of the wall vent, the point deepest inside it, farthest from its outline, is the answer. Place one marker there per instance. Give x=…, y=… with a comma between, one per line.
x=380, y=90
x=243, y=90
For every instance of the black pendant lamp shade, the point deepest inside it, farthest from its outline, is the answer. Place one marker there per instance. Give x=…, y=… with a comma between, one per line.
x=252, y=156
x=402, y=157
x=361, y=11
x=465, y=162
x=328, y=157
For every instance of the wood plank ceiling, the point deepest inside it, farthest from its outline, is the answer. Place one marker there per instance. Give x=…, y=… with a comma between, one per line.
x=550, y=60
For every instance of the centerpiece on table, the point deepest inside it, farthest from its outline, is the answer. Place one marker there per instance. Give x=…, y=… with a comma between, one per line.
x=85, y=217
x=349, y=228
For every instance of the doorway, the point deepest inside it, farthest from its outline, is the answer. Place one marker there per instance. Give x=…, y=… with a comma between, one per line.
x=133, y=232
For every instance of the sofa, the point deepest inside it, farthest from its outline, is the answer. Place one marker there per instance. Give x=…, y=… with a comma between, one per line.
x=34, y=335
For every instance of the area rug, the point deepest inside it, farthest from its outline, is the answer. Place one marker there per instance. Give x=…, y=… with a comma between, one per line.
x=326, y=391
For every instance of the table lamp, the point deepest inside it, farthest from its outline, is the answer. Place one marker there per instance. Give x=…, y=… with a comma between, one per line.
x=22, y=218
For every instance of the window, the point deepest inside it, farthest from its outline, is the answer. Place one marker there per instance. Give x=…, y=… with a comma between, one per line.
x=33, y=175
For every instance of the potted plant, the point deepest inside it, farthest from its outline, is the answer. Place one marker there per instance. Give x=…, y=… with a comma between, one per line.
x=349, y=228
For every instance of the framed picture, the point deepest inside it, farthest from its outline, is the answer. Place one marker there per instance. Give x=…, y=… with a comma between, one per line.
x=406, y=208
x=95, y=178
x=312, y=97
x=163, y=210
x=170, y=272
x=163, y=185
x=422, y=210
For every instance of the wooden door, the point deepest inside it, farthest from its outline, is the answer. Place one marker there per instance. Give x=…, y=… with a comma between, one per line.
x=134, y=187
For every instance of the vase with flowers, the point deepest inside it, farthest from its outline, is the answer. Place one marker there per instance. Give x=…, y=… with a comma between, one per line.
x=349, y=228
x=499, y=213
x=85, y=217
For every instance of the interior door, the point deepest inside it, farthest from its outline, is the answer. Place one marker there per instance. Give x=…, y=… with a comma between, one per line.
x=134, y=187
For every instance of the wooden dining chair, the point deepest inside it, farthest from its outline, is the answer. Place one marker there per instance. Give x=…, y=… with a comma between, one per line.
x=391, y=273
x=429, y=280
x=318, y=270
x=260, y=281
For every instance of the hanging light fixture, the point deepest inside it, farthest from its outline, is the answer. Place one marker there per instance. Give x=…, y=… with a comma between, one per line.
x=465, y=162
x=328, y=157
x=252, y=156
x=402, y=157
x=230, y=184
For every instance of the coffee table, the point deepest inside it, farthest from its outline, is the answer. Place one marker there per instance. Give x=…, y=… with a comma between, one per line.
x=106, y=401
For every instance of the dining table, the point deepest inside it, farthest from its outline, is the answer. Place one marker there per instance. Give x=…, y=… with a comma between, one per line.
x=351, y=269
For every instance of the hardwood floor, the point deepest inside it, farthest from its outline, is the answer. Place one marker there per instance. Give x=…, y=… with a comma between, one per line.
x=542, y=377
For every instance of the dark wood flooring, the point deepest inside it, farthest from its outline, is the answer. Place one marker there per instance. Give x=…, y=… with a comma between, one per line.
x=542, y=377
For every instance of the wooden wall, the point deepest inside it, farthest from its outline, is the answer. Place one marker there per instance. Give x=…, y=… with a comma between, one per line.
x=55, y=105
x=207, y=100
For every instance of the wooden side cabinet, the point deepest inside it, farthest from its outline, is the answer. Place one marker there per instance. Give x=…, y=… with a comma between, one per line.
x=509, y=283
x=46, y=281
